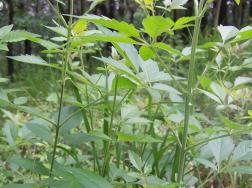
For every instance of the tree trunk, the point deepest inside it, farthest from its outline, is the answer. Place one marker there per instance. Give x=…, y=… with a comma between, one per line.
x=243, y=12
x=101, y=10
x=112, y=8
x=223, y=15
x=10, y=52
x=250, y=10
x=122, y=9
x=28, y=47
x=82, y=6
x=217, y=13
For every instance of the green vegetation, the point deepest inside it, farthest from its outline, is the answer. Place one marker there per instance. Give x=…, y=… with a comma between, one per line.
x=113, y=104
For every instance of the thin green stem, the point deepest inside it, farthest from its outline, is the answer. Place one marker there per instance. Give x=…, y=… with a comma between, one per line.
x=107, y=152
x=58, y=13
x=65, y=63
x=190, y=85
x=118, y=129
x=11, y=105
x=79, y=110
x=207, y=67
x=167, y=69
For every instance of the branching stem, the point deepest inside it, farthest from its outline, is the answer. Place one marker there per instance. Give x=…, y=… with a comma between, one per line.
x=190, y=86
x=63, y=82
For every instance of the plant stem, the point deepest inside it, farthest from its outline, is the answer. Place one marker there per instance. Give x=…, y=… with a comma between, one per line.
x=167, y=69
x=107, y=152
x=58, y=13
x=190, y=85
x=65, y=63
x=85, y=118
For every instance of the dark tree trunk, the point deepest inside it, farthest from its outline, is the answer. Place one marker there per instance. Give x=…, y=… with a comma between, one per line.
x=250, y=9
x=82, y=6
x=68, y=10
x=223, y=15
x=111, y=8
x=131, y=10
x=28, y=47
x=10, y=52
x=101, y=10
x=217, y=13
x=37, y=7
x=238, y=14
x=243, y=12
x=122, y=9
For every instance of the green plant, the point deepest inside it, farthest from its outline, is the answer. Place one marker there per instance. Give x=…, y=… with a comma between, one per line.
x=137, y=121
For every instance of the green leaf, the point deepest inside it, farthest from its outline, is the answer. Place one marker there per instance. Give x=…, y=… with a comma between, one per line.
x=247, y=63
x=151, y=73
x=232, y=125
x=59, y=30
x=205, y=82
x=156, y=25
x=40, y=130
x=5, y=30
x=120, y=26
x=80, y=41
x=119, y=66
x=227, y=32
x=79, y=138
x=135, y=160
x=4, y=80
x=218, y=91
x=207, y=45
x=82, y=138
x=20, y=100
x=206, y=163
x=21, y=186
x=10, y=131
x=4, y=47
x=31, y=59
x=164, y=87
x=183, y=22
x=250, y=113
x=221, y=148
x=52, y=97
x=123, y=83
x=241, y=80
x=241, y=169
x=45, y=43
x=167, y=48
x=28, y=164
x=19, y=35
x=122, y=137
x=244, y=34
x=243, y=152
x=177, y=4
x=4, y=101
x=99, y=135
x=71, y=117
x=211, y=96
x=130, y=53
x=80, y=26
x=138, y=120
x=146, y=53
x=82, y=177
x=237, y=2
x=148, y=2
